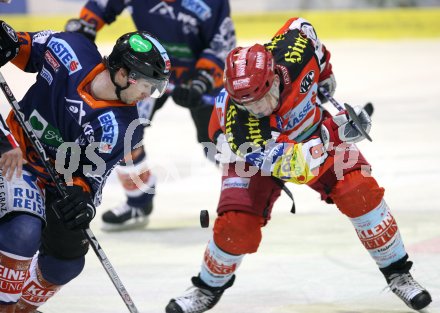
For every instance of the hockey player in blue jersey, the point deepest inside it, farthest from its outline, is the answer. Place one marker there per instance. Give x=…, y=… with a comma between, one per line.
x=197, y=34
x=88, y=103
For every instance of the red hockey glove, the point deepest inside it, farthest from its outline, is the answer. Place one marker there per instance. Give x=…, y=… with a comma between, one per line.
x=339, y=129
x=9, y=45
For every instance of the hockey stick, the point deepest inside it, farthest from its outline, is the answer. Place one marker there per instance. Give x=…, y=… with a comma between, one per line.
x=350, y=111
x=61, y=188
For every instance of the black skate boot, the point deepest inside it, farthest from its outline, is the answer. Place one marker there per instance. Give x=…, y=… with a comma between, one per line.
x=126, y=217
x=404, y=285
x=199, y=298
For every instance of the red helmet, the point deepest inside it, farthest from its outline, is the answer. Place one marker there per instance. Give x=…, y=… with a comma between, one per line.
x=249, y=73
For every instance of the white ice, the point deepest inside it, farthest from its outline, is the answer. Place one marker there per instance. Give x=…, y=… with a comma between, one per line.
x=310, y=262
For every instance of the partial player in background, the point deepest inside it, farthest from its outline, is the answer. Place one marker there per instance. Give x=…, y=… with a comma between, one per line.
x=82, y=101
x=270, y=116
x=197, y=35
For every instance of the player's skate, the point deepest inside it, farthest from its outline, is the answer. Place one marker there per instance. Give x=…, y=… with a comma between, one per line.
x=125, y=217
x=198, y=298
x=410, y=291
x=406, y=288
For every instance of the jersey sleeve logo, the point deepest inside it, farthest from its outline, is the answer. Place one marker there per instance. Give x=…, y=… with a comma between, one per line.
x=307, y=81
x=65, y=54
x=50, y=59
x=110, y=131
x=47, y=133
x=46, y=75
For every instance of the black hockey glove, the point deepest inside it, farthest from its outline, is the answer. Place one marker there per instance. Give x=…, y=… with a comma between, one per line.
x=79, y=25
x=76, y=209
x=9, y=45
x=190, y=96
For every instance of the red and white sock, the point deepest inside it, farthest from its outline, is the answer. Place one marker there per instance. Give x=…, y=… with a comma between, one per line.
x=218, y=266
x=380, y=235
x=36, y=290
x=13, y=273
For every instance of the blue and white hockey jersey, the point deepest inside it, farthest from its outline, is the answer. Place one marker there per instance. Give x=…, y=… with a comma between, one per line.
x=63, y=113
x=197, y=34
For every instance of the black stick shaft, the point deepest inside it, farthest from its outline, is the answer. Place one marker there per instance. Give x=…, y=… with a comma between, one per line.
x=61, y=188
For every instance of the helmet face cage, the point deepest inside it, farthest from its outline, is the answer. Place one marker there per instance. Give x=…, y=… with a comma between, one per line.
x=143, y=57
x=266, y=105
x=249, y=73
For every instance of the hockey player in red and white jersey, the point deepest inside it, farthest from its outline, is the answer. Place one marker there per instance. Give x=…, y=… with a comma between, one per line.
x=269, y=115
x=89, y=103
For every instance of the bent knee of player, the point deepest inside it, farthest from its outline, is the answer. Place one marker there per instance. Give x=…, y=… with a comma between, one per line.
x=136, y=155
x=60, y=271
x=134, y=173
x=357, y=194
x=22, y=234
x=238, y=232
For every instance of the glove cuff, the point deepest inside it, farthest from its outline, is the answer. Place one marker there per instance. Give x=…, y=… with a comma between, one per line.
x=81, y=26
x=203, y=81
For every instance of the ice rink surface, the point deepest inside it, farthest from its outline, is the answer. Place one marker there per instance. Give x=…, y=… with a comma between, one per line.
x=310, y=262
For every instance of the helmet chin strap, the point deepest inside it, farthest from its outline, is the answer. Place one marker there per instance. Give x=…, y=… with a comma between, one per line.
x=118, y=88
x=112, y=72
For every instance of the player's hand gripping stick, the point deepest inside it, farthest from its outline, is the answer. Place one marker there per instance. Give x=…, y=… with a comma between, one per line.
x=61, y=188
x=353, y=118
